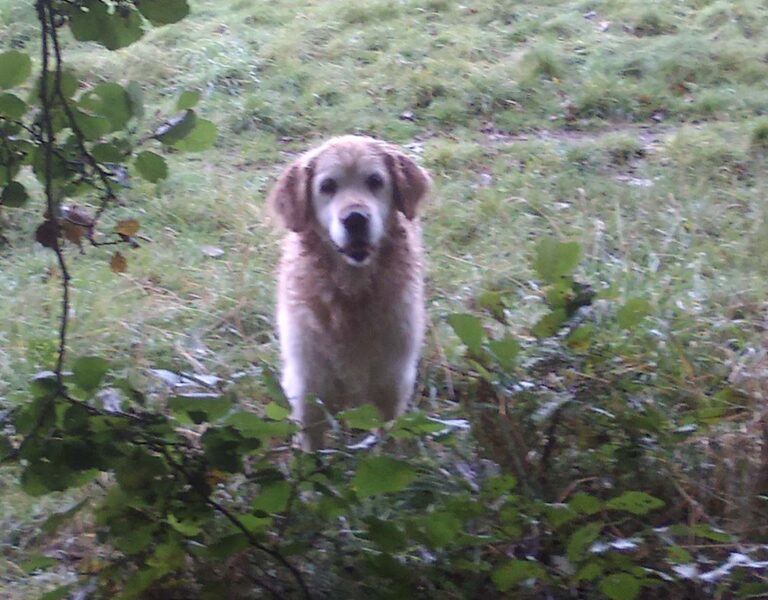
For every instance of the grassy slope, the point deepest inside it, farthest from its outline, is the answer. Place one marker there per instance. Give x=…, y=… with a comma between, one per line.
x=631, y=127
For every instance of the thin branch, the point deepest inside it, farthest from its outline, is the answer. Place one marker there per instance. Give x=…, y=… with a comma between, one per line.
x=108, y=191
x=45, y=16
x=238, y=524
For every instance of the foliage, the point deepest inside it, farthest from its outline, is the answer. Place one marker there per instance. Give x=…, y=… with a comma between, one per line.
x=585, y=471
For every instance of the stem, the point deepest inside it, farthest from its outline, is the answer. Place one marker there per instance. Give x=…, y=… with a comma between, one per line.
x=45, y=16
x=108, y=191
x=238, y=524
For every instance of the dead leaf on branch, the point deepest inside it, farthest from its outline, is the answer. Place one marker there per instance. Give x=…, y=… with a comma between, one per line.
x=118, y=264
x=127, y=227
x=76, y=224
x=47, y=234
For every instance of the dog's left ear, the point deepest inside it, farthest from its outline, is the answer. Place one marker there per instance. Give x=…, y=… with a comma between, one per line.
x=290, y=196
x=410, y=183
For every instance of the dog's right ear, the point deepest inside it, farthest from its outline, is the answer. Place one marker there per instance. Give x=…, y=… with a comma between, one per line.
x=290, y=197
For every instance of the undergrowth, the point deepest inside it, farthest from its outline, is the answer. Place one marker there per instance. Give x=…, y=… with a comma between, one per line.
x=590, y=417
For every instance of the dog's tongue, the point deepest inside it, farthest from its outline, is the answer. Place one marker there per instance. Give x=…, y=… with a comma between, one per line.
x=358, y=255
x=357, y=251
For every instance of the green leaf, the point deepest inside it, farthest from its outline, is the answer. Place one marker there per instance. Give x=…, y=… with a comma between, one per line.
x=499, y=485
x=185, y=528
x=381, y=474
x=253, y=426
x=620, y=586
x=637, y=503
x=37, y=563
x=589, y=572
x=136, y=95
x=442, y=528
x=581, y=539
x=505, y=351
x=200, y=407
x=111, y=101
x=12, y=106
x=585, y=504
x=188, y=99
x=753, y=590
x=580, y=338
x=678, y=555
x=633, y=311
x=493, y=302
x=228, y=545
x=202, y=137
x=164, y=12
x=167, y=557
x=469, y=329
x=549, y=324
x=69, y=84
x=276, y=412
x=414, y=424
x=708, y=533
x=91, y=21
x=559, y=514
x=386, y=535
x=89, y=371
x=255, y=524
x=223, y=448
x=59, y=593
x=14, y=195
x=555, y=260
x=15, y=67
x=151, y=166
x=92, y=127
x=273, y=497
x=107, y=153
x=363, y=417
x=176, y=128
x=560, y=293
x=516, y=572
x=138, y=472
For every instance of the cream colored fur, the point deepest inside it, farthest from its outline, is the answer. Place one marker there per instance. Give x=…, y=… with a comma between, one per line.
x=350, y=331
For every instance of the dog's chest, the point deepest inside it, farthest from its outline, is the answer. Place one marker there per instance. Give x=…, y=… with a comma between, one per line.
x=368, y=328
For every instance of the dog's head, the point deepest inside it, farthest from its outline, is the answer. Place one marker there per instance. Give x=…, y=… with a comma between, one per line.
x=349, y=189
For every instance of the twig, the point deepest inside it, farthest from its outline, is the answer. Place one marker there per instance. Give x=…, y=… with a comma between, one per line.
x=45, y=16
x=238, y=524
x=109, y=193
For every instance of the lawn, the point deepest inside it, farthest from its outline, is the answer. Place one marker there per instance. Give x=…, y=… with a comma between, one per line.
x=637, y=129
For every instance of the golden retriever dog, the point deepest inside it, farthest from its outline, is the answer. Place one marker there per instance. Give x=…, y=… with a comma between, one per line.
x=350, y=298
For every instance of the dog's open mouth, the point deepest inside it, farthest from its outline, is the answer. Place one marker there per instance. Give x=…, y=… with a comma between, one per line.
x=356, y=252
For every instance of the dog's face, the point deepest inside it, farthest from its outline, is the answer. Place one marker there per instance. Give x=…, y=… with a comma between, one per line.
x=348, y=189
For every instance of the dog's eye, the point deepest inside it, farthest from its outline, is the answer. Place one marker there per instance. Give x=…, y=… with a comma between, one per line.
x=329, y=186
x=374, y=182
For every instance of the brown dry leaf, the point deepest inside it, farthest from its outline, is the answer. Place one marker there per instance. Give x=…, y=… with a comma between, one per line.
x=76, y=223
x=128, y=227
x=47, y=234
x=118, y=264
x=73, y=232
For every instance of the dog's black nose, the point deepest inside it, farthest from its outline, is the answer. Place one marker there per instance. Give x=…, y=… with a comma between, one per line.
x=356, y=224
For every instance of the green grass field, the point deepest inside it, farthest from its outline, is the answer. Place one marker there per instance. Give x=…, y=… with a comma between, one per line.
x=638, y=129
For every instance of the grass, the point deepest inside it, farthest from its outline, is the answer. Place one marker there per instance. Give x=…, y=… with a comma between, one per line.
x=637, y=130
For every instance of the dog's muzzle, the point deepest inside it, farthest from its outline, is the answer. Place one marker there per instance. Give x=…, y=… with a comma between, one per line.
x=356, y=224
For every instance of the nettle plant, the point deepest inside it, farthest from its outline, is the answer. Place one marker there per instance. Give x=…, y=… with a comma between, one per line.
x=561, y=487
